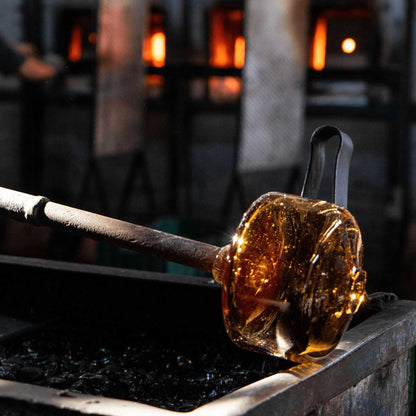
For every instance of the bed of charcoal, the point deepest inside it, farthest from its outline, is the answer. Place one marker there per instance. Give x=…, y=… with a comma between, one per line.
x=176, y=371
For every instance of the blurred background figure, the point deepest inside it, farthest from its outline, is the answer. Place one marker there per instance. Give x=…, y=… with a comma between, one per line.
x=22, y=60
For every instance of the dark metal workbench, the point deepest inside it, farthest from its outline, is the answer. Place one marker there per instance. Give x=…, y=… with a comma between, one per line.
x=370, y=372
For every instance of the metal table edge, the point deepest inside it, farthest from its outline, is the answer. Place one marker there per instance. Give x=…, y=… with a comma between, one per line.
x=107, y=271
x=363, y=349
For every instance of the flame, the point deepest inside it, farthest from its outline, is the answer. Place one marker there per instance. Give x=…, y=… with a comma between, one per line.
x=239, y=52
x=319, y=45
x=75, y=46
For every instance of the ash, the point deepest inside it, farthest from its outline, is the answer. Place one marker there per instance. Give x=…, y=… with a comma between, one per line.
x=177, y=370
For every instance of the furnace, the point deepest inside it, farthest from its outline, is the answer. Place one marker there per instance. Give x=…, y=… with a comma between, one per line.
x=344, y=38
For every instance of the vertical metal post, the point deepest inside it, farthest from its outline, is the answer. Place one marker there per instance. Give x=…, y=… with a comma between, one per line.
x=403, y=156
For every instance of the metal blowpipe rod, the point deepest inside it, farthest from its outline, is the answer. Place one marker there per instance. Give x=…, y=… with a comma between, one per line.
x=38, y=210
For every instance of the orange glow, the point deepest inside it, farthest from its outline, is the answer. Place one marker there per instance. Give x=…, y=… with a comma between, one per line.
x=226, y=40
x=239, y=52
x=232, y=85
x=154, y=49
x=218, y=46
x=224, y=89
x=220, y=58
x=147, y=50
x=154, y=45
x=319, y=45
x=227, y=50
x=92, y=38
x=158, y=48
x=75, y=46
x=348, y=45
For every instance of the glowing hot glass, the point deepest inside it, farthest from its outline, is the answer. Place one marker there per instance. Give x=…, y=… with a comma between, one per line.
x=292, y=277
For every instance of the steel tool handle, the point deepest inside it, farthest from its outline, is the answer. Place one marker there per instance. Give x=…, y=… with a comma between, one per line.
x=39, y=210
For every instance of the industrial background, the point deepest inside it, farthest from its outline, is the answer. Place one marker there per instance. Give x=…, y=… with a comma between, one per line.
x=211, y=104
x=176, y=115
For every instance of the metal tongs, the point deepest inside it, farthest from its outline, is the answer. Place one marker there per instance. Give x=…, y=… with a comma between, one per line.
x=374, y=301
x=316, y=165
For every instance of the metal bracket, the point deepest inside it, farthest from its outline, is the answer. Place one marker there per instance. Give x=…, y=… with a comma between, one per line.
x=316, y=165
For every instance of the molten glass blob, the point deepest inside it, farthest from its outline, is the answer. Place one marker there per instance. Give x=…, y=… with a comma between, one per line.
x=292, y=277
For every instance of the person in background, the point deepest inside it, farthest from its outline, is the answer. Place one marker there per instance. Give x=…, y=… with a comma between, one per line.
x=23, y=62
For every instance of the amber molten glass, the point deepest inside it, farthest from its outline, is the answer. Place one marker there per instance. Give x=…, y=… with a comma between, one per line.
x=292, y=277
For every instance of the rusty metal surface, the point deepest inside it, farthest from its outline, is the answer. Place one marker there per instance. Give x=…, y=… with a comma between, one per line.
x=389, y=393
x=370, y=348
x=135, y=237
x=40, y=211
